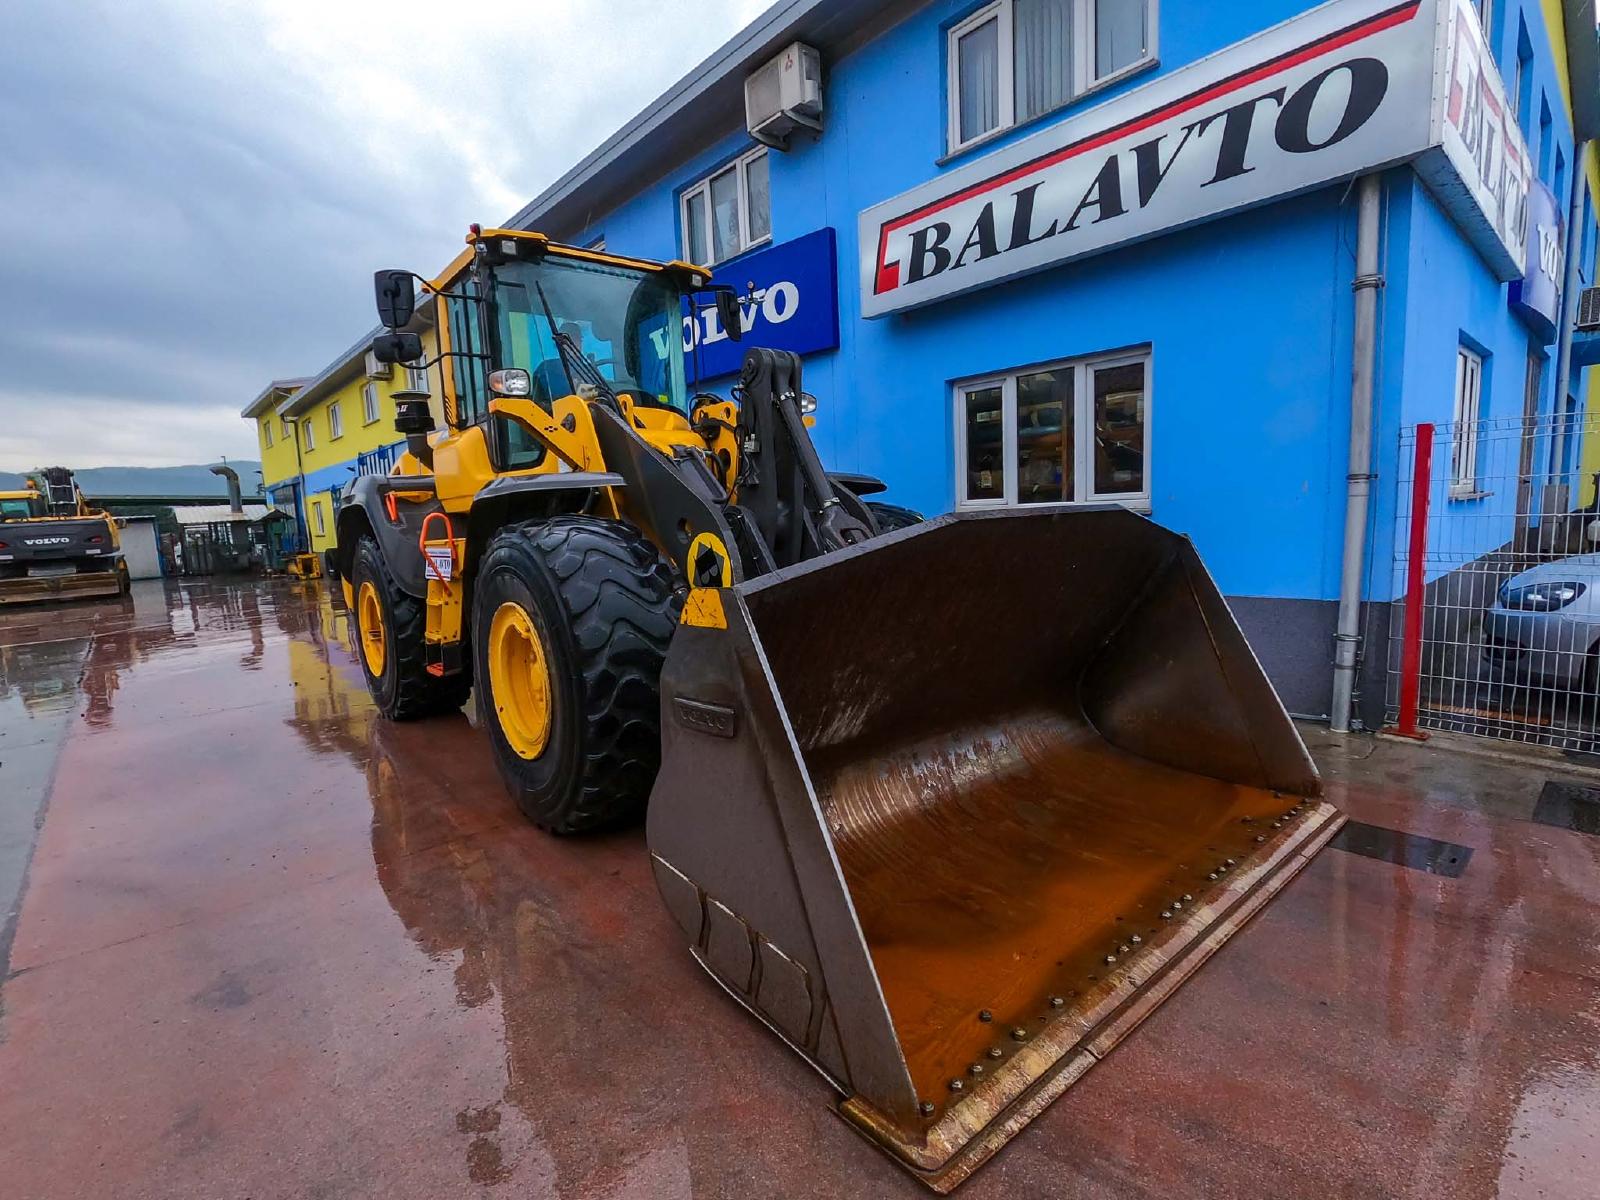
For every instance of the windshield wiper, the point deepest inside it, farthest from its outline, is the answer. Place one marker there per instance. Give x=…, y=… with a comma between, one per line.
x=573, y=360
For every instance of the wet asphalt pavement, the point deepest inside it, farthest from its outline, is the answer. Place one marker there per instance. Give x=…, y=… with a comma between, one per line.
x=259, y=943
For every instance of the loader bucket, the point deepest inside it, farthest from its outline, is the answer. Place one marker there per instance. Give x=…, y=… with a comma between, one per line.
x=953, y=811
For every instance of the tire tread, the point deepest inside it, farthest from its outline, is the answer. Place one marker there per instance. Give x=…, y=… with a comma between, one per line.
x=417, y=693
x=621, y=602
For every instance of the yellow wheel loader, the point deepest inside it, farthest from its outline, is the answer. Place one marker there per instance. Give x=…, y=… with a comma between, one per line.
x=949, y=805
x=54, y=546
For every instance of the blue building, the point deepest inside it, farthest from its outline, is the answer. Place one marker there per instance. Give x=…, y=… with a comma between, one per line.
x=1107, y=250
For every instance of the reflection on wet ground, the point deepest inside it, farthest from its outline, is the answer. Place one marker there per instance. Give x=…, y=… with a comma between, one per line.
x=270, y=945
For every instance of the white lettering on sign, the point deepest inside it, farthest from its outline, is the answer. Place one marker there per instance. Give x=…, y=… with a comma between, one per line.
x=1343, y=89
x=1480, y=135
x=1551, y=252
x=770, y=305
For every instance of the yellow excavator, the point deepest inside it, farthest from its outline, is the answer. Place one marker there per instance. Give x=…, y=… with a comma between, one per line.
x=54, y=545
x=949, y=805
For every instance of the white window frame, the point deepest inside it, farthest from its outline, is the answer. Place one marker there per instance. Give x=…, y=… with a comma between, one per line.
x=417, y=380
x=316, y=509
x=370, y=409
x=1082, y=421
x=1084, y=80
x=309, y=441
x=703, y=187
x=335, y=421
x=266, y=433
x=1466, y=417
x=285, y=429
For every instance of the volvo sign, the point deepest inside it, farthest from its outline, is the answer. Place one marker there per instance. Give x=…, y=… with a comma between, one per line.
x=788, y=301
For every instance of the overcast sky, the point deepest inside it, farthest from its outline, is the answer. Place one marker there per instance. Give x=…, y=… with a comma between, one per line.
x=194, y=193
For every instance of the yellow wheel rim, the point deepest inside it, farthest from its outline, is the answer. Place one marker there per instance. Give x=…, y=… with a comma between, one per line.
x=369, y=624
x=519, y=680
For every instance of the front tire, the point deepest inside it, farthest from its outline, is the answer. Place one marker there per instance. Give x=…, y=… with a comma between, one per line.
x=572, y=619
x=390, y=628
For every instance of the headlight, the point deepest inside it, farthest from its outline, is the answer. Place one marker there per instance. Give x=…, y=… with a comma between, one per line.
x=808, y=403
x=1540, y=597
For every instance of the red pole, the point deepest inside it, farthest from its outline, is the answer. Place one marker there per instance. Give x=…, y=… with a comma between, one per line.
x=1411, y=636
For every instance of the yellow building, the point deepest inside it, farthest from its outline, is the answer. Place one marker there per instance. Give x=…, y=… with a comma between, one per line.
x=318, y=434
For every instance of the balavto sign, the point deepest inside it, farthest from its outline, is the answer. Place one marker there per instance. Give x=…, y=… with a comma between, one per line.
x=1349, y=87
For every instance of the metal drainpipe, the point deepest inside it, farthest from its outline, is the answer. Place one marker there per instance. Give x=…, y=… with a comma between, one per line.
x=1572, y=251
x=1358, y=485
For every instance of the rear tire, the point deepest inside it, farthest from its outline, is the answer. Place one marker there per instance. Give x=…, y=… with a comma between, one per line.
x=892, y=516
x=603, y=606
x=397, y=672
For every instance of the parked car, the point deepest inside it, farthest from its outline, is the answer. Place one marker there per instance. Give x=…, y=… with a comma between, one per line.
x=1544, y=625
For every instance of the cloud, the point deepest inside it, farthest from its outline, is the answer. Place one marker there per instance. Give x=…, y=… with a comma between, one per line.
x=196, y=193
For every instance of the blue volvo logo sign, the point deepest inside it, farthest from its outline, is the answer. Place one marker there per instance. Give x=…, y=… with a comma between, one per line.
x=1536, y=297
x=789, y=299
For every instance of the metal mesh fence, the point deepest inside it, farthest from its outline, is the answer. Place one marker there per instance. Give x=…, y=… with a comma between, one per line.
x=1496, y=628
x=1496, y=624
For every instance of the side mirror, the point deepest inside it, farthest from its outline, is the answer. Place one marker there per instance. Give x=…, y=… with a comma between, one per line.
x=728, y=313
x=396, y=347
x=395, y=297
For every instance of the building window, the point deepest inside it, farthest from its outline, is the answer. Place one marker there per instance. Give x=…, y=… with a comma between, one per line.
x=316, y=511
x=369, y=403
x=1072, y=431
x=1586, y=252
x=266, y=432
x=283, y=425
x=417, y=379
x=1014, y=60
x=335, y=421
x=309, y=434
x=729, y=212
x=1522, y=80
x=1546, y=141
x=1464, y=445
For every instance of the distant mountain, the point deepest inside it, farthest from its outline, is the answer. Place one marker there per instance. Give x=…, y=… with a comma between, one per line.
x=196, y=480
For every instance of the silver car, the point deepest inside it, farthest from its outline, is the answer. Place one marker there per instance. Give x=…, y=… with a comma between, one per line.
x=1544, y=625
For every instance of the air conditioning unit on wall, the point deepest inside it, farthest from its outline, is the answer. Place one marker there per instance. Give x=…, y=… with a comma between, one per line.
x=376, y=369
x=784, y=95
x=1589, y=309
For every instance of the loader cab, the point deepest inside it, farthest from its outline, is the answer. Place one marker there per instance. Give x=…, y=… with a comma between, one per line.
x=512, y=298
x=21, y=506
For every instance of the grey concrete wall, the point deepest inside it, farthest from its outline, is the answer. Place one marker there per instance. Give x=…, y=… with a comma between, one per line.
x=1294, y=641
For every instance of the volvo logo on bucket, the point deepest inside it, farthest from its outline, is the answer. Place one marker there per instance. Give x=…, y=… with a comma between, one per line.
x=788, y=298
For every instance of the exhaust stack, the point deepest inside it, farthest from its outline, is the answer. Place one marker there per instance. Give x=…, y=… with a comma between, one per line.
x=235, y=497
